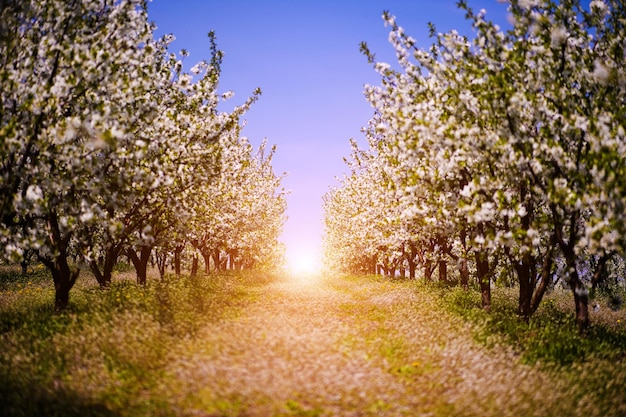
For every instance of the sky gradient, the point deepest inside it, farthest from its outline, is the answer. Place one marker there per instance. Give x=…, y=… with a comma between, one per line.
x=304, y=55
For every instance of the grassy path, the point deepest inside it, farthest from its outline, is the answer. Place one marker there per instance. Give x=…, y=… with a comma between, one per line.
x=353, y=348
x=253, y=346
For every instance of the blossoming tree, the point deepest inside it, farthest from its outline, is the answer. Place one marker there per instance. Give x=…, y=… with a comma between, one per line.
x=104, y=139
x=511, y=146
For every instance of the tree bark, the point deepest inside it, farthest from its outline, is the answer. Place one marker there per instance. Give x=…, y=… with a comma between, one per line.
x=429, y=268
x=217, y=259
x=194, y=266
x=177, y=251
x=443, y=270
x=527, y=283
x=579, y=290
x=484, y=279
x=105, y=275
x=140, y=262
x=464, y=273
x=161, y=260
x=206, y=256
x=63, y=276
x=546, y=276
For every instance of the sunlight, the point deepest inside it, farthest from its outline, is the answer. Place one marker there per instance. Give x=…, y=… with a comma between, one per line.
x=304, y=264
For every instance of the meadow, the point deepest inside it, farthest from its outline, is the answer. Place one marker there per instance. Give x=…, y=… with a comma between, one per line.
x=258, y=344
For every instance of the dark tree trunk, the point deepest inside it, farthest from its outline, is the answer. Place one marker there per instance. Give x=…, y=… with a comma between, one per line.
x=161, y=260
x=217, y=260
x=411, y=259
x=600, y=273
x=443, y=270
x=206, y=256
x=579, y=290
x=581, y=300
x=546, y=276
x=140, y=262
x=429, y=268
x=232, y=259
x=64, y=279
x=370, y=265
x=526, y=279
x=581, y=295
x=104, y=276
x=411, y=267
x=63, y=276
x=484, y=279
x=464, y=273
x=194, y=266
x=177, y=253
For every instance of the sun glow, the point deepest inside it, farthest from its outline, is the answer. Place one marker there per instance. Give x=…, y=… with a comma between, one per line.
x=304, y=264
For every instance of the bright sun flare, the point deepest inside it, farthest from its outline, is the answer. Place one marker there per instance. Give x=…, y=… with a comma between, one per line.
x=304, y=264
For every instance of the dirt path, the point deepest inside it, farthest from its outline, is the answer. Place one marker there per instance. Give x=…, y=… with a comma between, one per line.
x=351, y=348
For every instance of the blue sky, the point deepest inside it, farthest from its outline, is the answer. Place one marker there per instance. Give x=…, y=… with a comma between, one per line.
x=304, y=55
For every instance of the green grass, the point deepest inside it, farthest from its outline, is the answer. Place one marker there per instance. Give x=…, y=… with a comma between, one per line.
x=174, y=348
x=102, y=355
x=550, y=337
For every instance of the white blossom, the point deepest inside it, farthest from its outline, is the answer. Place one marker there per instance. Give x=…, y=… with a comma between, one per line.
x=34, y=193
x=601, y=72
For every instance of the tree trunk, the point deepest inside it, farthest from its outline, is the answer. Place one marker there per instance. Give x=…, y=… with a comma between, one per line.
x=411, y=268
x=161, y=260
x=64, y=278
x=443, y=270
x=104, y=276
x=464, y=273
x=140, y=262
x=177, y=253
x=546, y=276
x=206, y=256
x=581, y=300
x=484, y=280
x=194, y=266
x=581, y=297
x=600, y=273
x=428, y=270
x=526, y=286
x=217, y=259
x=232, y=259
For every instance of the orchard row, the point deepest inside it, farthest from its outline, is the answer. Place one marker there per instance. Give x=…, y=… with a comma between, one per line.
x=503, y=156
x=109, y=148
